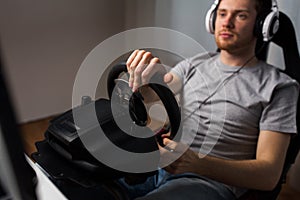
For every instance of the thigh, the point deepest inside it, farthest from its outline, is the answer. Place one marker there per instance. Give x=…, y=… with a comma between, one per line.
x=190, y=188
x=137, y=190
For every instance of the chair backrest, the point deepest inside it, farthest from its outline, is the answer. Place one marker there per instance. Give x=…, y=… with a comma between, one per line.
x=286, y=39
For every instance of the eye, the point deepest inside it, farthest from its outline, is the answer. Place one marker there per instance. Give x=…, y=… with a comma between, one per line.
x=242, y=16
x=221, y=13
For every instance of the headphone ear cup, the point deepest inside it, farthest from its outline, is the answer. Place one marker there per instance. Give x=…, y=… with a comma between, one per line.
x=210, y=22
x=266, y=26
x=213, y=21
x=210, y=18
x=271, y=26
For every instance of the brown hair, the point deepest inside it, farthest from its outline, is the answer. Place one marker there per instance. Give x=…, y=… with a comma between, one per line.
x=263, y=6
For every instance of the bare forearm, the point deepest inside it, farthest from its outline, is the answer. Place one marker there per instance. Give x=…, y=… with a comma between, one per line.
x=252, y=174
x=261, y=173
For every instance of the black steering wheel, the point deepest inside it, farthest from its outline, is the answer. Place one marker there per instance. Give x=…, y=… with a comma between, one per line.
x=137, y=108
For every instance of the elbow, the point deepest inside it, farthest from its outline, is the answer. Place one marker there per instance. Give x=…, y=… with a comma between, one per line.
x=270, y=176
x=267, y=179
x=269, y=186
x=270, y=183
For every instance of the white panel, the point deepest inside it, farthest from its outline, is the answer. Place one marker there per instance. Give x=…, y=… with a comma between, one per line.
x=292, y=9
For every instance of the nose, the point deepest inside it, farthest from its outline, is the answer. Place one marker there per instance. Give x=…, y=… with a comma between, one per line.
x=228, y=21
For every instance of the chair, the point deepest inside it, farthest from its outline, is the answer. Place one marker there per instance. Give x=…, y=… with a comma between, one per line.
x=286, y=39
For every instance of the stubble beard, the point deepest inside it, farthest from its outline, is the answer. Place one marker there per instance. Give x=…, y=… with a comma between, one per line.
x=232, y=45
x=228, y=45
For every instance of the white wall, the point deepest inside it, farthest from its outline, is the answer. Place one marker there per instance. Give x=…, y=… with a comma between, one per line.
x=140, y=13
x=187, y=17
x=44, y=43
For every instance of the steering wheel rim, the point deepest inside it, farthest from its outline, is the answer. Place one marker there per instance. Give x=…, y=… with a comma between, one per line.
x=161, y=89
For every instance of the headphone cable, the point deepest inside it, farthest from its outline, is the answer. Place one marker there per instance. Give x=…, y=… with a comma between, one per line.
x=224, y=81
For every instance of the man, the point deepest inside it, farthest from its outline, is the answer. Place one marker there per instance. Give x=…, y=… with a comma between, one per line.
x=248, y=142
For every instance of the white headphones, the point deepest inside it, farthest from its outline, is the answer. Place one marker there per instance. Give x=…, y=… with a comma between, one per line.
x=266, y=24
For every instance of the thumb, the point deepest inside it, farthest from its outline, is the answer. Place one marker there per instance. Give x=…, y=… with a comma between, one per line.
x=168, y=77
x=167, y=141
x=175, y=146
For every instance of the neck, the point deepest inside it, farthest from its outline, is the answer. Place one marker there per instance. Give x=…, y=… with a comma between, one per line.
x=238, y=59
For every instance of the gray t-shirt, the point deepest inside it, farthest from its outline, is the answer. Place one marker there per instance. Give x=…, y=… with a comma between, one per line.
x=223, y=111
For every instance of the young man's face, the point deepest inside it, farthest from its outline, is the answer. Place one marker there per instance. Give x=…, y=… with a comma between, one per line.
x=234, y=24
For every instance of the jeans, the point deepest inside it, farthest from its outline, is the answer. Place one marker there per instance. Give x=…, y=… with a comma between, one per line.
x=164, y=186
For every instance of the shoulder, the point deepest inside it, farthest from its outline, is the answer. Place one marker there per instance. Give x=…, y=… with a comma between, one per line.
x=273, y=83
x=188, y=65
x=277, y=77
x=201, y=57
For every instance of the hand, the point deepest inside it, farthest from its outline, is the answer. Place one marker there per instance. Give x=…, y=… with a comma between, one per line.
x=142, y=65
x=179, y=158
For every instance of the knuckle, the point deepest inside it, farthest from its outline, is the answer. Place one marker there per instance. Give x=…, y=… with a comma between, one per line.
x=155, y=60
x=145, y=75
x=141, y=52
x=135, y=52
x=147, y=55
x=137, y=71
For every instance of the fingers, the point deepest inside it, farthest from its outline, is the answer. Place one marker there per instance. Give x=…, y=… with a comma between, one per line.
x=144, y=70
x=135, y=64
x=141, y=66
x=168, y=153
x=169, y=143
x=131, y=58
x=171, y=150
x=169, y=147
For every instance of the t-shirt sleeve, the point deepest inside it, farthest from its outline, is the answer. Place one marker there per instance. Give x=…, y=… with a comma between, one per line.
x=280, y=113
x=181, y=69
x=187, y=67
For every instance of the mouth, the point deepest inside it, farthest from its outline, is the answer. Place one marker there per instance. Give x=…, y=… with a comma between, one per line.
x=226, y=34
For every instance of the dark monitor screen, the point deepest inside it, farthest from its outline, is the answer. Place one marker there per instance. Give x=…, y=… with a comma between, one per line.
x=17, y=178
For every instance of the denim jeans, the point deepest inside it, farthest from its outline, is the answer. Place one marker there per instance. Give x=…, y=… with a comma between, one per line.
x=164, y=186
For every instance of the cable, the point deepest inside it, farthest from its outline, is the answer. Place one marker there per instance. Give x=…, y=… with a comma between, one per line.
x=224, y=81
